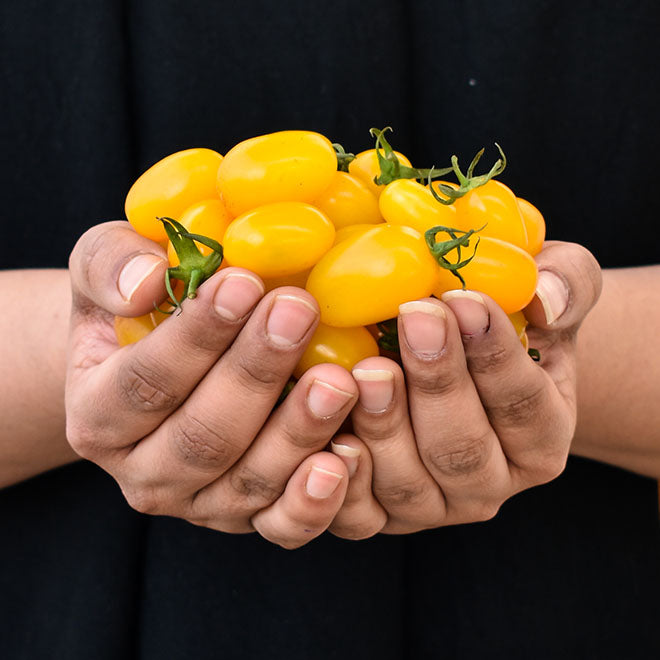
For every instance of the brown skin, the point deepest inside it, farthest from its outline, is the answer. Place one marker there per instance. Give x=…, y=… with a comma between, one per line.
x=236, y=485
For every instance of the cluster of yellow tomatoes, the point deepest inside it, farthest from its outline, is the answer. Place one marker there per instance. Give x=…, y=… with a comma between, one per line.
x=361, y=233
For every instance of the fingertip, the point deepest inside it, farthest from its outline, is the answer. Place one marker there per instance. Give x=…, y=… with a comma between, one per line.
x=569, y=284
x=349, y=449
x=118, y=270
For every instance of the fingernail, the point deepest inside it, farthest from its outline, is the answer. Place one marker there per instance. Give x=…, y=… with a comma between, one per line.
x=322, y=483
x=376, y=388
x=350, y=456
x=325, y=400
x=237, y=295
x=470, y=310
x=552, y=291
x=135, y=272
x=424, y=326
x=289, y=319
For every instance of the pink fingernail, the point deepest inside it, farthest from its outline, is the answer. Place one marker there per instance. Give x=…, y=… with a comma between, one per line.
x=325, y=400
x=552, y=291
x=135, y=272
x=376, y=388
x=322, y=483
x=424, y=326
x=289, y=319
x=350, y=456
x=470, y=310
x=237, y=295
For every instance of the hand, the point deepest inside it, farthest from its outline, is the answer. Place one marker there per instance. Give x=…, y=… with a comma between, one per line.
x=182, y=419
x=472, y=419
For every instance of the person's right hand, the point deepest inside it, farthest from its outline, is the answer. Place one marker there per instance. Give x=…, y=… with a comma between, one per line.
x=182, y=419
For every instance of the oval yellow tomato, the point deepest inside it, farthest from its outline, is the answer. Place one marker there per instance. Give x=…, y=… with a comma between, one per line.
x=208, y=218
x=278, y=239
x=288, y=166
x=348, y=201
x=494, y=207
x=342, y=346
x=129, y=330
x=297, y=279
x=534, y=224
x=505, y=272
x=353, y=230
x=366, y=167
x=169, y=187
x=519, y=323
x=406, y=202
x=365, y=278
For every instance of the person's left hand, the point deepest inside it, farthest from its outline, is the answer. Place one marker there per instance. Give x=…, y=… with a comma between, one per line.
x=475, y=420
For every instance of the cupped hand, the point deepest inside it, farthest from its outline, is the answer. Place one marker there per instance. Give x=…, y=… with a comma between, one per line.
x=183, y=419
x=471, y=419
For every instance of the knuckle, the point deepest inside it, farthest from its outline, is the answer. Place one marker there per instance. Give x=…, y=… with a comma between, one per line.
x=144, y=388
x=401, y=495
x=201, y=444
x=551, y=467
x=256, y=372
x=143, y=500
x=82, y=439
x=495, y=359
x=434, y=382
x=376, y=430
x=355, y=531
x=466, y=457
x=483, y=512
x=520, y=406
x=249, y=484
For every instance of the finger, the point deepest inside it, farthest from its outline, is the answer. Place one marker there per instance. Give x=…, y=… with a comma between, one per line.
x=361, y=516
x=114, y=403
x=401, y=482
x=115, y=269
x=309, y=503
x=206, y=435
x=455, y=438
x=303, y=424
x=533, y=422
x=569, y=285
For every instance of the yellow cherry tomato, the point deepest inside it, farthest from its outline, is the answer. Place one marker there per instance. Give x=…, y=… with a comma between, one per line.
x=352, y=230
x=208, y=218
x=297, y=279
x=505, y=272
x=169, y=187
x=406, y=202
x=130, y=330
x=534, y=224
x=519, y=323
x=288, y=166
x=278, y=239
x=365, y=278
x=495, y=206
x=342, y=346
x=348, y=201
x=366, y=167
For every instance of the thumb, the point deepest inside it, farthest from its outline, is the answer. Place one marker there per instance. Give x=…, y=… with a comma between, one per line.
x=568, y=287
x=116, y=269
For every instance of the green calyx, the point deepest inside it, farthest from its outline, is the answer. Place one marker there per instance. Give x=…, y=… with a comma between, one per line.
x=467, y=181
x=440, y=249
x=391, y=167
x=343, y=158
x=194, y=268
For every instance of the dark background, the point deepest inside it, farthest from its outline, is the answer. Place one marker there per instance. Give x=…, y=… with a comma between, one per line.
x=93, y=93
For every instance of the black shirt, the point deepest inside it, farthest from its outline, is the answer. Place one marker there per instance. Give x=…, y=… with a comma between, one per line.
x=93, y=94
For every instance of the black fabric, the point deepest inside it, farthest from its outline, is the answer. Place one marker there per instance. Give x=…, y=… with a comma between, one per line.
x=93, y=93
